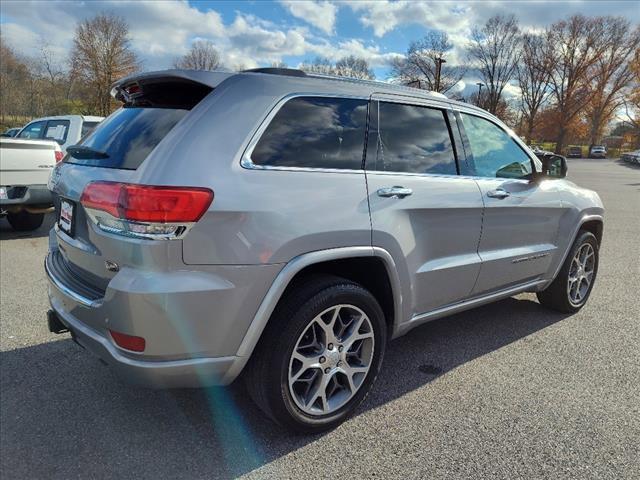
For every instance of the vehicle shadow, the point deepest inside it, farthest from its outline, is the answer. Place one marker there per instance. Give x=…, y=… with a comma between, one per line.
x=628, y=164
x=63, y=414
x=8, y=233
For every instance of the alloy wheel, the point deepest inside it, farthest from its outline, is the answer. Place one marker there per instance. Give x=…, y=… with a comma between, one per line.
x=331, y=359
x=581, y=274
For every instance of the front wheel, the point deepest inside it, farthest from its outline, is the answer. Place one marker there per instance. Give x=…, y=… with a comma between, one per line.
x=319, y=356
x=571, y=288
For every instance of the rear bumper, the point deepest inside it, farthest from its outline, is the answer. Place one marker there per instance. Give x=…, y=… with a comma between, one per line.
x=27, y=195
x=197, y=372
x=186, y=347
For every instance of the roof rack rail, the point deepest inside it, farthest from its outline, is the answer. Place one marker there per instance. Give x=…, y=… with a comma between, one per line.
x=291, y=72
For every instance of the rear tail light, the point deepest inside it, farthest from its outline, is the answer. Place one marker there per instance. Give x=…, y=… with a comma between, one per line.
x=145, y=211
x=128, y=342
x=59, y=155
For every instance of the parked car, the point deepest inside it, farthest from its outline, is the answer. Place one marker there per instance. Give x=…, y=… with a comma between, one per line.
x=66, y=129
x=25, y=166
x=284, y=226
x=574, y=152
x=540, y=153
x=598, y=151
x=11, y=132
x=631, y=157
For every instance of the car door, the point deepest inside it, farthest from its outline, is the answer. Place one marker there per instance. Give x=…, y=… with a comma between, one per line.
x=521, y=214
x=422, y=212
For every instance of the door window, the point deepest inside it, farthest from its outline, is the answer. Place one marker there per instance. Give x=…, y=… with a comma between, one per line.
x=494, y=153
x=412, y=139
x=57, y=130
x=33, y=130
x=315, y=132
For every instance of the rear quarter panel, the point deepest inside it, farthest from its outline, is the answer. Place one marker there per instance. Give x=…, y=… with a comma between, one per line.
x=257, y=216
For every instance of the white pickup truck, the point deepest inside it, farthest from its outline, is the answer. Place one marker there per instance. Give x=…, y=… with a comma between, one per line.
x=25, y=166
x=64, y=129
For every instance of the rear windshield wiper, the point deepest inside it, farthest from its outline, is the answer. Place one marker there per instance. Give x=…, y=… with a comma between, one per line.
x=85, y=153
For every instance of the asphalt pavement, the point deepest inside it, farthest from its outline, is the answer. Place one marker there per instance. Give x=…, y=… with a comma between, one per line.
x=510, y=390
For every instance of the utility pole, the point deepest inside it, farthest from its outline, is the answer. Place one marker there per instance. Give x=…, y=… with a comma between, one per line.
x=439, y=62
x=480, y=85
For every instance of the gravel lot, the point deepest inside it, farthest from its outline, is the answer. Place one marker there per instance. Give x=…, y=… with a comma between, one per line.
x=509, y=390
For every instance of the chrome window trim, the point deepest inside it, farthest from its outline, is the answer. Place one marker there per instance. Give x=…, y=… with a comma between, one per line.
x=247, y=162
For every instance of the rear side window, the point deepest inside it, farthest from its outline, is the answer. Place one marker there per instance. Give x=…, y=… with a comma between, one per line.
x=33, y=130
x=87, y=127
x=126, y=137
x=314, y=132
x=412, y=139
x=57, y=130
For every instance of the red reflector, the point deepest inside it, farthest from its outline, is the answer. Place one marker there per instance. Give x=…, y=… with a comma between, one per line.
x=128, y=342
x=59, y=155
x=145, y=203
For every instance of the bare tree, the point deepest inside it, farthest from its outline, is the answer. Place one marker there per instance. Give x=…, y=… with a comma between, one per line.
x=320, y=65
x=354, y=67
x=419, y=65
x=575, y=46
x=495, y=48
x=279, y=64
x=14, y=77
x=202, y=56
x=632, y=103
x=533, y=79
x=613, y=73
x=101, y=54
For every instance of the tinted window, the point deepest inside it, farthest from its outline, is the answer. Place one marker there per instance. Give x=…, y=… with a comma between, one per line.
x=33, y=130
x=57, y=130
x=315, y=132
x=127, y=136
x=413, y=139
x=494, y=152
x=87, y=127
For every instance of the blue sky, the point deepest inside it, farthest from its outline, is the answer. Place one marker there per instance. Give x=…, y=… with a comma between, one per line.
x=256, y=33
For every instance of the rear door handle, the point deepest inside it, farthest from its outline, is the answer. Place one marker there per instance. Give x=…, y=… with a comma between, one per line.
x=394, y=192
x=498, y=193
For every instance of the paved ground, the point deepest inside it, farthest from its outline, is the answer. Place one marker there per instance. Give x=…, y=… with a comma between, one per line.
x=510, y=390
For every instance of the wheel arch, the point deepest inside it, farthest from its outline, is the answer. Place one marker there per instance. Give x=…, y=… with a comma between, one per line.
x=332, y=261
x=593, y=223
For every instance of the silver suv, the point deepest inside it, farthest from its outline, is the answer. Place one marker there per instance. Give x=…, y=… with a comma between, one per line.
x=285, y=226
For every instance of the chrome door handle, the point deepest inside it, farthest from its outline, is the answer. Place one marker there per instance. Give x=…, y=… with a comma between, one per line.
x=394, y=192
x=498, y=193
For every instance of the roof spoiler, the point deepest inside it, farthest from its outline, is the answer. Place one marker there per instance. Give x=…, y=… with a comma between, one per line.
x=159, y=89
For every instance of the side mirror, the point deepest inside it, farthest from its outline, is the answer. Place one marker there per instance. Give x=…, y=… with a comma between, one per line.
x=554, y=166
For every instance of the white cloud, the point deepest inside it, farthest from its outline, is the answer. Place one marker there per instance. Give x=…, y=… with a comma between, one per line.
x=320, y=14
x=384, y=16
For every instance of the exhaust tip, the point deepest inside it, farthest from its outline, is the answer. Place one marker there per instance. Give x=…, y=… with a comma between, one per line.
x=54, y=323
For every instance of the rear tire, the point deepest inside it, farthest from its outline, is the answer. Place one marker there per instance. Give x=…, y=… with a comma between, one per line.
x=319, y=355
x=24, y=221
x=570, y=290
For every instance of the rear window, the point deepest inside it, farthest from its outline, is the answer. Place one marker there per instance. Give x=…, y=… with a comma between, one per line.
x=315, y=132
x=126, y=137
